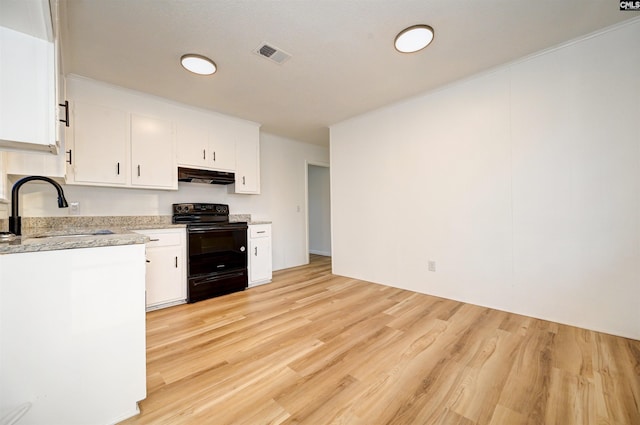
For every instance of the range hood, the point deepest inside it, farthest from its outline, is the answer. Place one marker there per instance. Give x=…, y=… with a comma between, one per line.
x=205, y=176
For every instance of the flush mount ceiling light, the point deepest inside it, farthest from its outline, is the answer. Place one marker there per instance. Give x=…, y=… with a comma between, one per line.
x=198, y=64
x=414, y=38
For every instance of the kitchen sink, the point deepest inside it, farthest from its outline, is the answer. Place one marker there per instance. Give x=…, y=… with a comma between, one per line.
x=75, y=235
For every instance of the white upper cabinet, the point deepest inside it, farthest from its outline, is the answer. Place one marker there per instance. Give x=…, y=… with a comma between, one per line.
x=99, y=154
x=111, y=143
x=36, y=21
x=28, y=102
x=205, y=145
x=27, y=93
x=247, y=161
x=152, y=152
x=123, y=138
x=211, y=142
x=223, y=150
x=4, y=186
x=192, y=144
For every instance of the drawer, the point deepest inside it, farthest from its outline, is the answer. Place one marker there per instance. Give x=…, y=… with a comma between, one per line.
x=260, y=231
x=161, y=239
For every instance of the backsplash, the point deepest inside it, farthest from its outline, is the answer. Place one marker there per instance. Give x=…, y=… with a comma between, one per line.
x=35, y=224
x=237, y=218
x=52, y=223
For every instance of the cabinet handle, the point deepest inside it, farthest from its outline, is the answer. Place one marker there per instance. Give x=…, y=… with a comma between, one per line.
x=65, y=105
x=138, y=170
x=148, y=261
x=118, y=168
x=214, y=156
x=154, y=240
x=69, y=160
x=262, y=231
x=204, y=154
x=256, y=251
x=243, y=180
x=176, y=262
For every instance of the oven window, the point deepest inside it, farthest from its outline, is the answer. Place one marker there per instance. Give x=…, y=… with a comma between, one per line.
x=215, y=251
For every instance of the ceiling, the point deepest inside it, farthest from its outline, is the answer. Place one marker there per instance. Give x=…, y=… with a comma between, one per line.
x=343, y=62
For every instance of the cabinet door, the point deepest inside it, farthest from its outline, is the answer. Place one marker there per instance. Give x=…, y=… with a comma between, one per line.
x=85, y=325
x=27, y=92
x=260, y=261
x=247, y=161
x=152, y=153
x=100, y=140
x=223, y=152
x=4, y=187
x=192, y=145
x=28, y=163
x=165, y=280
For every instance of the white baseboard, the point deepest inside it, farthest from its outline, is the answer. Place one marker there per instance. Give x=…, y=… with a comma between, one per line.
x=325, y=253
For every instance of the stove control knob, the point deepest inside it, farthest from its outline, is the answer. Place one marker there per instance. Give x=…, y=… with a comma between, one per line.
x=242, y=248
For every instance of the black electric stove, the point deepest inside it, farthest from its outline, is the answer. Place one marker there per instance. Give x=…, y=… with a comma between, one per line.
x=216, y=250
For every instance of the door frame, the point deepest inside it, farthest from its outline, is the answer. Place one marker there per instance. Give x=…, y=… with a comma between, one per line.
x=306, y=199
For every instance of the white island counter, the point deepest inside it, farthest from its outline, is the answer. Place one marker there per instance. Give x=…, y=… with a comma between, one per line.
x=72, y=333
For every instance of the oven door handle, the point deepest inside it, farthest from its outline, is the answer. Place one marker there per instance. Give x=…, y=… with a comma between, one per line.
x=216, y=278
x=226, y=228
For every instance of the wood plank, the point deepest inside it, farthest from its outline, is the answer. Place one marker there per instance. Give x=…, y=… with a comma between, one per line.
x=313, y=348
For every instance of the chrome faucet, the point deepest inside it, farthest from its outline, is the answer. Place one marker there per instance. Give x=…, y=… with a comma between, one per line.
x=15, y=222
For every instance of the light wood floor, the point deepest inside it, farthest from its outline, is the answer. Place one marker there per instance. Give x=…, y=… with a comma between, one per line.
x=314, y=348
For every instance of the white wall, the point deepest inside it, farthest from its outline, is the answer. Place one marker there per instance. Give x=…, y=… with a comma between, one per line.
x=319, y=210
x=522, y=184
x=283, y=164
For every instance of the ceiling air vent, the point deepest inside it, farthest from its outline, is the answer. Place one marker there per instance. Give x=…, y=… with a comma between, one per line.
x=275, y=54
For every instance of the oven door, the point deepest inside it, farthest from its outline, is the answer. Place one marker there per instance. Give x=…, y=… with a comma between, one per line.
x=217, y=249
x=213, y=285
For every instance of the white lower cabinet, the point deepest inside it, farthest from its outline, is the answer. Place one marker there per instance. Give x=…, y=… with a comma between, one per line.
x=72, y=335
x=260, y=267
x=166, y=280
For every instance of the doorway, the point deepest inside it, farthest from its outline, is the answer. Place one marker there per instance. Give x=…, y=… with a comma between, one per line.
x=318, y=210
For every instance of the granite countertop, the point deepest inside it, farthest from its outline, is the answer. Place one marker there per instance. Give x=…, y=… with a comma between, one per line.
x=56, y=233
x=71, y=239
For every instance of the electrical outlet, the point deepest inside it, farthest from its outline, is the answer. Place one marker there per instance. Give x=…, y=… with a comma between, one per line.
x=74, y=208
x=431, y=265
